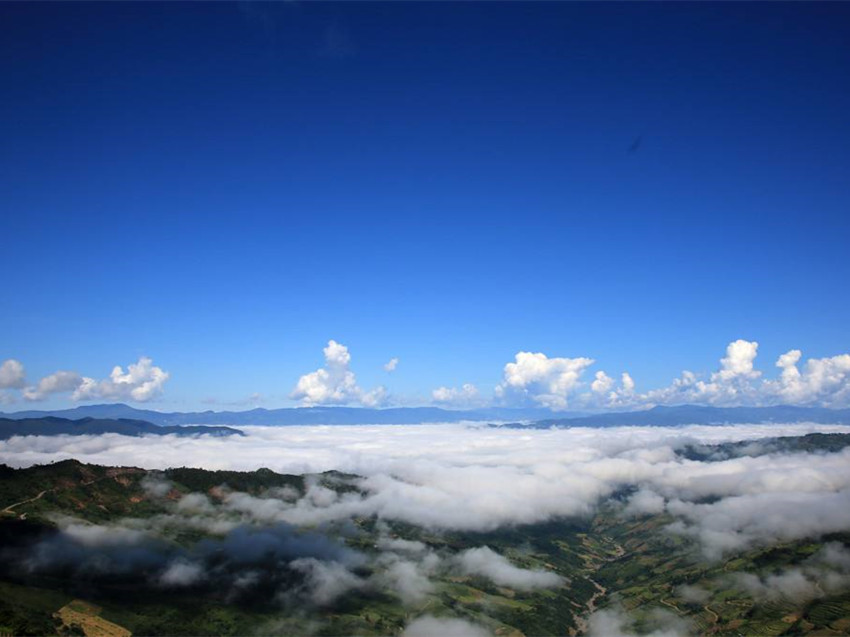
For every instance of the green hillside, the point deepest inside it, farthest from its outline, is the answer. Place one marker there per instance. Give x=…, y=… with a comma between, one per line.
x=634, y=565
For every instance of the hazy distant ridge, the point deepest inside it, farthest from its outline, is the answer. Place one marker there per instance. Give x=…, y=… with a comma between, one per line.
x=542, y=418
x=699, y=415
x=292, y=416
x=52, y=426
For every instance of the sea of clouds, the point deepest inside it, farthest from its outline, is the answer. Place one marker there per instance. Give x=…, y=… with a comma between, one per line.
x=469, y=477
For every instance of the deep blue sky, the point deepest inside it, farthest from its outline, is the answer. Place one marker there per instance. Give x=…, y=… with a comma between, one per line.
x=225, y=187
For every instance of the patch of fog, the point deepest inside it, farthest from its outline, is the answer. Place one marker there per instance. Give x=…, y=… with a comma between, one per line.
x=429, y=626
x=616, y=622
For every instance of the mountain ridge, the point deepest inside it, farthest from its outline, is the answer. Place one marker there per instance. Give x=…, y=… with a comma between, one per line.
x=292, y=415
x=677, y=415
x=54, y=426
x=661, y=415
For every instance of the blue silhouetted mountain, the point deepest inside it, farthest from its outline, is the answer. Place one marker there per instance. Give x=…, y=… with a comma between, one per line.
x=294, y=415
x=52, y=426
x=657, y=416
x=701, y=415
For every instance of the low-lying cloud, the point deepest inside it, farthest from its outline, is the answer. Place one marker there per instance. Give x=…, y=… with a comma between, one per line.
x=485, y=562
x=480, y=478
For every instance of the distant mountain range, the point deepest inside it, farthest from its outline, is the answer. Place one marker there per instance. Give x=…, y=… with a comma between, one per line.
x=535, y=418
x=51, y=426
x=294, y=415
x=699, y=415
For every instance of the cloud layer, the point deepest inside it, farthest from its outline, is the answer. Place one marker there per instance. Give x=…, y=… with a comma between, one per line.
x=479, y=478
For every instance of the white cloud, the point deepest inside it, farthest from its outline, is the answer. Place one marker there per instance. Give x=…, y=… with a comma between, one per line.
x=730, y=385
x=99, y=535
x=374, y=397
x=602, y=384
x=543, y=380
x=466, y=396
x=824, y=380
x=827, y=572
x=327, y=581
x=12, y=374
x=479, y=478
x=181, y=573
x=409, y=580
x=644, y=502
x=61, y=381
x=533, y=378
x=335, y=383
x=623, y=396
x=614, y=622
x=430, y=626
x=143, y=381
x=738, y=362
x=485, y=562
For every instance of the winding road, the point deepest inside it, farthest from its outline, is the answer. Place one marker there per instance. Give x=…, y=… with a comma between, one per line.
x=23, y=516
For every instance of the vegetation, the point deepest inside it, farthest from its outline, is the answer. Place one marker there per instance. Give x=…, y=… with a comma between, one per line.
x=633, y=563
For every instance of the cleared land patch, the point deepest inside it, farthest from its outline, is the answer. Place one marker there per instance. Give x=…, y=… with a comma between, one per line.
x=87, y=616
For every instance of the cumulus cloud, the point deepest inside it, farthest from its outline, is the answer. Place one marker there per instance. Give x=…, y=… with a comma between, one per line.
x=429, y=626
x=143, y=381
x=730, y=385
x=335, y=383
x=823, y=380
x=485, y=562
x=557, y=383
x=605, y=392
x=61, y=381
x=543, y=380
x=452, y=396
x=602, y=384
x=374, y=397
x=12, y=374
x=738, y=362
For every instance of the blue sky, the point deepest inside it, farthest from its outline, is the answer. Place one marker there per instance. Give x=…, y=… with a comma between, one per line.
x=226, y=187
